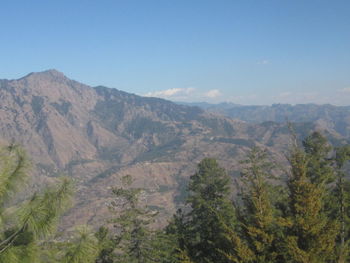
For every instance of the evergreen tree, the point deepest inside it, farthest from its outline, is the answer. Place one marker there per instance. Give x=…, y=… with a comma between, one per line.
x=210, y=212
x=341, y=203
x=306, y=220
x=311, y=234
x=177, y=231
x=133, y=235
x=182, y=257
x=257, y=214
x=239, y=251
x=106, y=244
x=163, y=247
x=83, y=248
x=23, y=227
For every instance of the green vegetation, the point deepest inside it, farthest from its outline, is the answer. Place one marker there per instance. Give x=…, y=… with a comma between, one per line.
x=27, y=228
x=211, y=210
x=132, y=239
x=303, y=218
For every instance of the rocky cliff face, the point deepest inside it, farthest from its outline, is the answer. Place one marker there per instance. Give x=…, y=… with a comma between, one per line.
x=96, y=135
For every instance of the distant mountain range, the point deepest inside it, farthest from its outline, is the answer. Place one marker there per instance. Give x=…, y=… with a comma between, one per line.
x=98, y=134
x=334, y=117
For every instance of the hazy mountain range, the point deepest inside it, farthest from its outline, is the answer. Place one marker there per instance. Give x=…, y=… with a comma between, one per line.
x=336, y=117
x=98, y=134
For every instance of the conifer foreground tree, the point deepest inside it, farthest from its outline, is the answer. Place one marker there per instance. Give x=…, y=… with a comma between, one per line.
x=83, y=247
x=257, y=213
x=24, y=225
x=210, y=212
x=311, y=232
x=26, y=228
x=134, y=240
x=303, y=218
x=341, y=203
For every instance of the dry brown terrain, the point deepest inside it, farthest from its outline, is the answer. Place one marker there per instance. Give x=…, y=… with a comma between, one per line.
x=97, y=134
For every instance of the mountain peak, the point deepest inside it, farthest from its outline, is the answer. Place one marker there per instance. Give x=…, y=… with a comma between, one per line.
x=50, y=73
x=53, y=72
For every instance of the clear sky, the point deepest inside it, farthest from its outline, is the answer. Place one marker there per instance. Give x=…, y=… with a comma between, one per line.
x=248, y=52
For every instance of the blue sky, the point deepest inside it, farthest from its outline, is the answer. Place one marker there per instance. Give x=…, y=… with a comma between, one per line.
x=248, y=52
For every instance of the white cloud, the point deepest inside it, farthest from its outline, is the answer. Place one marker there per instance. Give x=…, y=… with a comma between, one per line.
x=189, y=94
x=189, y=90
x=214, y=93
x=168, y=93
x=340, y=96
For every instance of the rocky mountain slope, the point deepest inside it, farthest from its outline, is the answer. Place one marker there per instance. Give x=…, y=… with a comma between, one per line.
x=97, y=134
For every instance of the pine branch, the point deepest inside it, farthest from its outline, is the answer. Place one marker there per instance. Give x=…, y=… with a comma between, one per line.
x=5, y=244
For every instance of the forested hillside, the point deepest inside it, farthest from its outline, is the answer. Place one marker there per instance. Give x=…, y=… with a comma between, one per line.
x=302, y=216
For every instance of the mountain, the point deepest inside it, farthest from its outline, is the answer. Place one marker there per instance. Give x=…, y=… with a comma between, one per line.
x=334, y=117
x=97, y=134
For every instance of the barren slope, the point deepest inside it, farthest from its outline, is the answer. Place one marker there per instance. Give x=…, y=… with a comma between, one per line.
x=96, y=135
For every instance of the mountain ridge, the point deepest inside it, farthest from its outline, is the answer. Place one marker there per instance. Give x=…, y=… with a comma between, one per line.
x=337, y=116
x=97, y=134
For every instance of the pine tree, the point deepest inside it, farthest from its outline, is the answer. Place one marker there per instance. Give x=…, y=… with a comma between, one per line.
x=133, y=235
x=163, y=247
x=341, y=203
x=257, y=214
x=24, y=226
x=83, y=248
x=210, y=210
x=106, y=245
x=239, y=251
x=311, y=234
x=177, y=232
x=182, y=257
